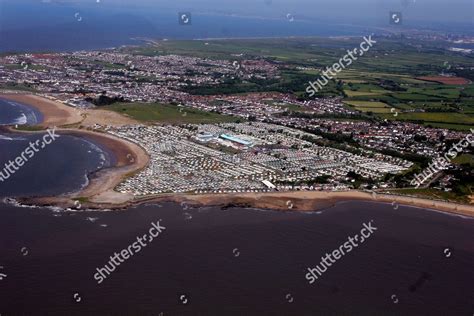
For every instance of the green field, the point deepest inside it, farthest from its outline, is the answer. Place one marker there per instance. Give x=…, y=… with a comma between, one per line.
x=369, y=106
x=464, y=159
x=170, y=114
x=432, y=193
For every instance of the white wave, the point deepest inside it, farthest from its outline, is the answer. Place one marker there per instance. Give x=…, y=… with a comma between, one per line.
x=14, y=202
x=13, y=103
x=22, y=120
x=3, y=137
x=32, y=118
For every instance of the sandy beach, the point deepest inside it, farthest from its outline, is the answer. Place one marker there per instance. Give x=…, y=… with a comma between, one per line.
x=58, y=114
x=130, y=158
x=309, y=200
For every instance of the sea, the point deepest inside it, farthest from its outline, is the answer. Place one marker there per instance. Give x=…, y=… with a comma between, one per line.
x=60, y=167
x=15, y=113
x=210, y=261
x=215, y=261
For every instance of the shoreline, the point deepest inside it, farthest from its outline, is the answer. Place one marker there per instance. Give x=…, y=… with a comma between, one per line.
x=308, y=201
x=54, y=113
x=299, y=201
x=131, y=158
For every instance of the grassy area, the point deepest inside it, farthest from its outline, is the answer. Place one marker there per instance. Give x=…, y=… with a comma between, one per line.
x=30, y=128
x=370, y=106
x=17, y=87
x=453, y=118
x=169, y=114
x=464, y=159
x=351, y=93
x=457, y=127
x=432, y=194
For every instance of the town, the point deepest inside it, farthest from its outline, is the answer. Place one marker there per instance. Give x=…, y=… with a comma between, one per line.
x=242, y=157
x=279, y=145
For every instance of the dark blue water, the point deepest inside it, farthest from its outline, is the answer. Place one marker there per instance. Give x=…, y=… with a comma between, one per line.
x=232, y=262
x=60, y=167
x=403, y=262
x=12, y=113
x=36, y=26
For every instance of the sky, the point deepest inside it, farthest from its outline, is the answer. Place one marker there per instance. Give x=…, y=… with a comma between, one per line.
x=351, y=10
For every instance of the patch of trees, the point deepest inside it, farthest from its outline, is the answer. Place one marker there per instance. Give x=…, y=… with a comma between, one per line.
x=103, y=100
x=464, y=176
x=391, y=85
x=422, y=160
